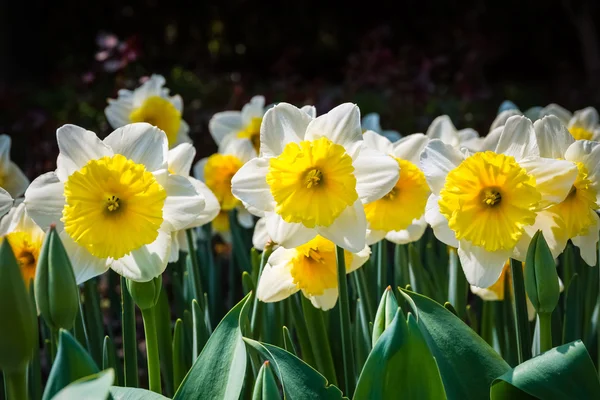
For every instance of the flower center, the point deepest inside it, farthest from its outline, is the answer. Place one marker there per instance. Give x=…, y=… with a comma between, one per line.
x=113, y=206
x=161, y=113
x=580, y=133
x=218, y=171
x=312, y=182
x=409, y=195
x=488, y=199
x=26, y=250
x=252, y=133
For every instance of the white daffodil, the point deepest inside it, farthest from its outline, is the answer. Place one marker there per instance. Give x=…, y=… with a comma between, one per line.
x=25, y=239
x=399, y=216
x=216, y=172
x=575, y=217
x=13, y=181
x=481, y=203
x=313, y=177
x=150, y=103
x=113, y=201
x=179, y=162
x=311, y=268
x=442, y=128
x=370, y=122
x=583, y=124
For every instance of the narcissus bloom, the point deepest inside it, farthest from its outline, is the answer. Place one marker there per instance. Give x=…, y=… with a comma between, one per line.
x=179, y=162
x=12, y=179
x=399, y=216
x=150, y=103
x=311, y=268
x=113, y=201
x=442, y=128
x=313, y=176
x=481, y=203
x=25, y=239
x=370, y=122
x=583, y=124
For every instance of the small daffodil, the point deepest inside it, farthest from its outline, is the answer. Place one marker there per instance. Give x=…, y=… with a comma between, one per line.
x=443, y=129
x=582, y=124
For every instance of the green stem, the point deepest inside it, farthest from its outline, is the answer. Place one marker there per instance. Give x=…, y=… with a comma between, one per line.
x=196, y=267
x=362, y=288
x=344, y=307
x=16, y=384
x=130, y=360
x=150, y=330
x=457, y=288
x=381, y=267
x=53, y=342
x=520, y=312
x=545, y=331
x=256, y=306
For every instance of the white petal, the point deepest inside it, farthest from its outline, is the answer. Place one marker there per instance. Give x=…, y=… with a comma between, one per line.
x=552, y=136
x=518, y=138
x=5, y=142
x=437, y=160
x=467, y=134
x=10, y=220
x=438, y=222
x=586, y=118
x=276, y=282
x=183, y=133
x=249, y=184
x=287, y=234
x=242, y=149
x=147, y=262
x=358, y=259
x=199, y=169
x=409, y=148
x=588, y=153
x=376, y=174
x=349, y=230
x=211, y=205
x=375, y=141
x=555, y=238
x=370, y=122
x=77, y=146
x=254, y=109
x=553, y=178
x=587, y=244
x=225, y=123
x=341, y=125
x=183, y=203
x=501, y=118
x=15, y=181
x=442, y=128
x=152, y=87
x=326, y=301
x=490, y=142
x=411, y=234
x=554, y=109
x=142, y=143
x=482, y=268
x=85, y=265
x=391, y=135
x=6, y=202
x=281, y=125
x=310, y=110
x=260, y=236
x=374, y=236
x=118, y=112
x=244, y=218
x=180, y=158
x=174, y=253
x=484, y=293
x=44, y=200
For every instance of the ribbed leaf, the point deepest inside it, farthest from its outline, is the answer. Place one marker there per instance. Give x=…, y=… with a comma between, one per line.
x=94, y=387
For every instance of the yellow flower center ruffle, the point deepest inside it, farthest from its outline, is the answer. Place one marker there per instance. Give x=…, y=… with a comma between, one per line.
x=161, y=113
x=221, y=222
x=575, y=212
x=113, y=206
x=488, y=199
x=218, y=171
x=314, y=267
x=27, y=251
x=252, y=133
x=312, y=182
x=403, y=204
x=580, y=133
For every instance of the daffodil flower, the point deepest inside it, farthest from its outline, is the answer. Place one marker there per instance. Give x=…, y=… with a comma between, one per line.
x=370, y=122
x=216, y=172
x=13, y=181
x=150, y=103
x=25, y=239
x=443, y=129
x=583, y=124
x=260, y=236
x=179, y=162
x=313, y=176
x=575, y=217
x=481, y=203
x=399, y=216
x=113, y=201
x=310, y=268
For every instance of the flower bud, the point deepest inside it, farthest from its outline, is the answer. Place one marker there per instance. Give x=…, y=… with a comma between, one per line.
x=56, y=291
x=541, y=278
x=145, y=294
x=385, y=313
x=17, y=333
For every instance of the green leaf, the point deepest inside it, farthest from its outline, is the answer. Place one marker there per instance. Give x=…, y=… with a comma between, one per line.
x=400, y=362
x=388, y=306
x=467, y=364
x=93, y=387
x=219, y=370
x=299, y=380
x=265, y=387
x=72, y=363
x=122, y=393
x=565, y=372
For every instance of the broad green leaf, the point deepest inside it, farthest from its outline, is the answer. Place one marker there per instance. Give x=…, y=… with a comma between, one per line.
x=72, y=363
x=467, y=364
x=93, y=387
x=565, y=372
x=299, y=380
x=122, y=393
x=400, y=363
x=219, y=370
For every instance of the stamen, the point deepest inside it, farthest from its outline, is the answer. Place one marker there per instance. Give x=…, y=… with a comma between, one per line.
x=491, y=196
x=113, y=203
x=313, y=178
x=314, y=255
x=391, y=195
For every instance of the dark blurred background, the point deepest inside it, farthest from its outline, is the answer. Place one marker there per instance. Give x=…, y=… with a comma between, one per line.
x=408, y=60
